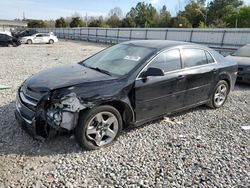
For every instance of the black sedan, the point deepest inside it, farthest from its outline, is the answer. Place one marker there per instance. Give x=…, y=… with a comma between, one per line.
x=242, y=57
x=128, y=84
x=6, y=40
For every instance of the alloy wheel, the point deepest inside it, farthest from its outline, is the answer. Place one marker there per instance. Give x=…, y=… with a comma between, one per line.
x=102, y=128
x=220, y=95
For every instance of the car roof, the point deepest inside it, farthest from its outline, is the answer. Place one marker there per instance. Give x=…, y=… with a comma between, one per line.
x=159, y=44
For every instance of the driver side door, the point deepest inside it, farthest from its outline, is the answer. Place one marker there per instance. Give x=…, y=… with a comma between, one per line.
x=158, y=95
x=38, y=38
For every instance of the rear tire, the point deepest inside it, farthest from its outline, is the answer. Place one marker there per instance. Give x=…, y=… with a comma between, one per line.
x=220, y=95
x=98, y=127
x=51, y=41
x=29, y=41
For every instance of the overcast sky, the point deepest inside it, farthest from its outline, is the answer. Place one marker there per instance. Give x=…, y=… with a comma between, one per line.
x=45, y=9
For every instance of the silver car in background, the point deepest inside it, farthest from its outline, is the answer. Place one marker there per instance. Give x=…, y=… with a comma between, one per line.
x=242, y=57
x=45, y=38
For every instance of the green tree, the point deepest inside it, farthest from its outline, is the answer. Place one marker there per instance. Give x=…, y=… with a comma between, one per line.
x=164, y=17
x=35, y=23
x=143, y=15
x=76, y=22
x=218, y=10
x=239, y=18
x=49, y=23
x=96, y=22
x=180, y=22
x=114, y=21
x=129, y=20
x=194, y=13
x=60, y=22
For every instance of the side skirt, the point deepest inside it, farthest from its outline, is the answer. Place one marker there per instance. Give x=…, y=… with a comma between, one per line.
x=141, y=122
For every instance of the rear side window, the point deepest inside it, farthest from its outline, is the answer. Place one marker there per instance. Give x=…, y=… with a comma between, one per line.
x=168, y=61
x=210, y=59
x=194, y=57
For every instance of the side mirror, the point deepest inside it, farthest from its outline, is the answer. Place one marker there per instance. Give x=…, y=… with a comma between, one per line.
x=151, y=71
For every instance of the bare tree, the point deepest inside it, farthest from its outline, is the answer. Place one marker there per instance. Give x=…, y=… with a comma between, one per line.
x=117, y=11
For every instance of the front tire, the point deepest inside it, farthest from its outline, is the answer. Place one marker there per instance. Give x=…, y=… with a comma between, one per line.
x=29, y=41
x=220, y=95
x=98, y=127
x=51, y=41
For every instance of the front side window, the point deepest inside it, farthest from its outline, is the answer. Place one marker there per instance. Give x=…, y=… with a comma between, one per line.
x=168, y=61
x=40, y=35
x=194, y=57
x=119, y=59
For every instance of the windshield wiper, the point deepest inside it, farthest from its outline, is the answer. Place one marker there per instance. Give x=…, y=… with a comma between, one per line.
x=99, y=70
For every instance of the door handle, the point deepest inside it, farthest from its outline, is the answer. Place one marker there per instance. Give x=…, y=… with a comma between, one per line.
x=180, y=77
x=215, y=70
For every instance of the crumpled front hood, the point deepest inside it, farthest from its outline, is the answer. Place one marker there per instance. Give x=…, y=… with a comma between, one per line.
x=240, y=60
x=64, y=76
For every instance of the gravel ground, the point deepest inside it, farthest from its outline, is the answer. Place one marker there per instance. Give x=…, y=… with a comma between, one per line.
x=199, y=147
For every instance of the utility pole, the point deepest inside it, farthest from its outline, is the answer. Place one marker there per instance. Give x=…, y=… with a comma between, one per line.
x=236, y=23
x=24, y=15
x=86, y=19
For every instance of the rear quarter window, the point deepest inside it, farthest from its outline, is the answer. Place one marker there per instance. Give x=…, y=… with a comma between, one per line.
x=210, y=59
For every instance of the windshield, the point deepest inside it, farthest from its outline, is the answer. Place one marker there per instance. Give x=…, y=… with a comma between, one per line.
x=118, y=60
x=243, y=52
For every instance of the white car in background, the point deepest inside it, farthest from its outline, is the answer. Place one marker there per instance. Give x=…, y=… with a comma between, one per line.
x=45, y=38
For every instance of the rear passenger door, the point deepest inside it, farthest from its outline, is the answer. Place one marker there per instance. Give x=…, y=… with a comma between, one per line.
x=46, y=38
x=199, y=75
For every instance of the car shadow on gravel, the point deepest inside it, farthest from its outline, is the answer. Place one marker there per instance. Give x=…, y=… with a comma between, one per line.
x=240, y=86
x=14, y=140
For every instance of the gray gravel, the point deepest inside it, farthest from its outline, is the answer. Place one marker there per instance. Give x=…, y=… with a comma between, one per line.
x=199, y=147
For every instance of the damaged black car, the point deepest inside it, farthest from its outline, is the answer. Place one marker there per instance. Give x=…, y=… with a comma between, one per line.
x=127, y=84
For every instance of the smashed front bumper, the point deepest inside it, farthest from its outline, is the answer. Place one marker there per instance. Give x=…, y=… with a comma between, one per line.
x=25, y=117
x=47, y=120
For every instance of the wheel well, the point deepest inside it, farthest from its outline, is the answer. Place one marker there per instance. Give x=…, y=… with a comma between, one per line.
x=226, y=77
x=124, y=110
x=228, y=82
